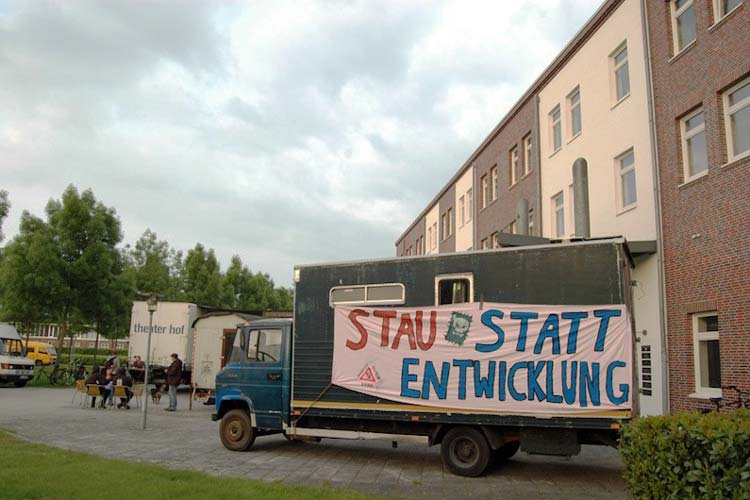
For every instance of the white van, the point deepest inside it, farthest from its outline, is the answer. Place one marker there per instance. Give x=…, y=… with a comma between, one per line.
x=14, y=365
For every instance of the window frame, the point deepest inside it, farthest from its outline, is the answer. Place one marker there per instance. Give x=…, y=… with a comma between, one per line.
x=718, y=7
x=698, y=337
x=494, y=178
x=513, y=159
x=366, y=302
x=527, y=152
x=619, y=174
x=617, y=67
x=555, y=209
x=443, y=226
x=455, y=277
x=531, y=222
x=257, y=344
x=572, y=107
x=462, y=210
x=434, y=235
x=685, y=135
x=449, y=214
x=676, y=13
x=555, y=127
x=728, y=112
x=469, y=204
x=484, y=185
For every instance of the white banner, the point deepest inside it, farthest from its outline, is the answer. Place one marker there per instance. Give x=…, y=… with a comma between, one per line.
x=528, y=359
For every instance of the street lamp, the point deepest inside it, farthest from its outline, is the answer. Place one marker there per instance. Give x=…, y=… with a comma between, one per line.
x=152, y=303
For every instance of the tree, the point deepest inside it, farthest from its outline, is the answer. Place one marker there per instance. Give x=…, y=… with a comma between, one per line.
x=87, y=234
x=33, y=286
x=201, y=278
x=4, y=209
x=253, y=292
x=155, y=266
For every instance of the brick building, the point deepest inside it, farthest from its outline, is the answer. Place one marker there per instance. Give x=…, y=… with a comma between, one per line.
x=700, y=59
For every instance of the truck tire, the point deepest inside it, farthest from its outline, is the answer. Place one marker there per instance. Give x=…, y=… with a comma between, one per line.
x=19, y=383
x=506, y=451
x=236, y=431
x=465, y=451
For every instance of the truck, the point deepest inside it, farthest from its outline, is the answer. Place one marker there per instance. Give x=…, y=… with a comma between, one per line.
x=482, y=353
x=15, y=367
x=172, y=333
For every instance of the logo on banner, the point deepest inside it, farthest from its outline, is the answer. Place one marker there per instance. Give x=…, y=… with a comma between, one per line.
x=458, y=328
x=369, y=377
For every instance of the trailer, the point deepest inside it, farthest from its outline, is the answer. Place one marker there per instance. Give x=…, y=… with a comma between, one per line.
x=483, y=353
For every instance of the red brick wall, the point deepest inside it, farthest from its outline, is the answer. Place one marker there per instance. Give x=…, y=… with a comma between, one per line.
x=706, y=223
x=502, y=211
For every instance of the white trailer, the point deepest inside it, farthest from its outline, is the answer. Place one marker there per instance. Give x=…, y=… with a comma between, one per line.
x=172, y=333
x=213, y=336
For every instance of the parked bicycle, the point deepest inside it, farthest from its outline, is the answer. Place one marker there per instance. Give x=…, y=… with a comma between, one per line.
x=741, y=399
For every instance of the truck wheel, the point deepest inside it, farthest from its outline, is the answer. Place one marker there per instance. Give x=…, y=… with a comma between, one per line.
x=19, y=383
x=465, y=451
x=236, y=432
x=506, y=451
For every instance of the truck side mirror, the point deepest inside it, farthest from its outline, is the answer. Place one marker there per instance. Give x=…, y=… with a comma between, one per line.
x=243, y=340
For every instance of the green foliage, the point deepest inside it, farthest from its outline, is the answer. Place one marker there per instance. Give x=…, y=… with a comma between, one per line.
x=155, y=266
x=688, y=455
x=4, y=209
x=35, y=471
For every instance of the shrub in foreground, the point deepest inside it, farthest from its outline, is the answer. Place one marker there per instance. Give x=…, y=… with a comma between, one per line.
x=688, y=455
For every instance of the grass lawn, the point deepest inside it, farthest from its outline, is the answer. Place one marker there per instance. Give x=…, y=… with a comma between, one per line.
x=32, y=471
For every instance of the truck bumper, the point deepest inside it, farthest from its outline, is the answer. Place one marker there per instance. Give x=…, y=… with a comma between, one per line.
x=214, y=417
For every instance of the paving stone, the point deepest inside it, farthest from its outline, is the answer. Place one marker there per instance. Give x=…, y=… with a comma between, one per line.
x=189, y=440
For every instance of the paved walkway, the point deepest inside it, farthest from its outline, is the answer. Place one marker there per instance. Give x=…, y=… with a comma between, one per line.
x=189, y=440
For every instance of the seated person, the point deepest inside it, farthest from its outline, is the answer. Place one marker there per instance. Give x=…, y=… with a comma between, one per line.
x=122, y=379
x=137, y=369
x=106, y=381
x=96, y=378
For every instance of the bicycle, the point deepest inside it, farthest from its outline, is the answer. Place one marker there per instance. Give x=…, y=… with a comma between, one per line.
x=741, y=400
x=74, y=371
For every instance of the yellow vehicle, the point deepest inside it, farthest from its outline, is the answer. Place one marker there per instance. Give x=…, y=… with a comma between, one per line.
x=41, y=353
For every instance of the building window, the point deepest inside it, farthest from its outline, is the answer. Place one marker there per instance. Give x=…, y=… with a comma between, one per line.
x=558, y=214
x=683, y=23
x=626, y=180
x=512, y=227
x=694, y=151
x=462, y=210
x=724, y=7
x=450, y=222
x=484, y=191
x=555, y=128
x=493, y=192
x=484, y=245
x=513, y=167
x=496, y=239
x=574, y=107
x=737, y=120
x=434, y=235
x=527, y=154
x=429, y=236
x=531, y=222
x=706, y=354
x=621, y=73
x=469, y=205
x=443, y=227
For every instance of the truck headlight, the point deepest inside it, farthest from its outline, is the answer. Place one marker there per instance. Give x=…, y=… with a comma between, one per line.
x=5, y=366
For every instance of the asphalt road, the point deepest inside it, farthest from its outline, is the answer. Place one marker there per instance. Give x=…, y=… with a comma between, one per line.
x=189, y=440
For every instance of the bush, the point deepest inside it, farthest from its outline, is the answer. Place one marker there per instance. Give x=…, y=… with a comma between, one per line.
x=688, y=455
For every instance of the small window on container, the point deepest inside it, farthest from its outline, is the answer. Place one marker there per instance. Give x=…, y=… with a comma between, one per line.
x=348, y=295
x=454, y=289
x=385, y=294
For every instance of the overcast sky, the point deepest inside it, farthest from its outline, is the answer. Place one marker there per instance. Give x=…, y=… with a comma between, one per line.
x=284, y=132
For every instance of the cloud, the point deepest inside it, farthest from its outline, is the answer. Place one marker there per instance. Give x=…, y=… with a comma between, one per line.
x=286, y=132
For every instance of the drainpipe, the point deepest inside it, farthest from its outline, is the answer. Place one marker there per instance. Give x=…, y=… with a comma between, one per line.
x=538, y=166
x=657, y=207
x=581, y=198
x=522, y=216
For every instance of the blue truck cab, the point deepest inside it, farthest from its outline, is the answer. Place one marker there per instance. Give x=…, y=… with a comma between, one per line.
x=253, y=390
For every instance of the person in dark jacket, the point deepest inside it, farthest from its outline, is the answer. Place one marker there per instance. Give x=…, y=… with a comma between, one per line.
x=98, y=377
x=174, y=375
x=124, y=380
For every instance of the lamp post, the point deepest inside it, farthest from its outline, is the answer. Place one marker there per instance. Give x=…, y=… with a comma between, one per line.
x=152, y=303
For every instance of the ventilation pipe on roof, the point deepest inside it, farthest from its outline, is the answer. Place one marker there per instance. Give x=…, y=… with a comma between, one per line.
x=581, y=198
x=522, y=217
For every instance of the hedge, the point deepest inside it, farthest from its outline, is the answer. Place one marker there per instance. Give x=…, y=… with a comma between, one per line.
x=688, y=455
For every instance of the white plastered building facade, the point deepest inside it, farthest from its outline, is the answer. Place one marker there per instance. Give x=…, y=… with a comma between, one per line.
x=588, y=110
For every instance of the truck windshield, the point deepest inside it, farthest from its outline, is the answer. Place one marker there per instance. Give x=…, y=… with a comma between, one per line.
x=11, y=347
